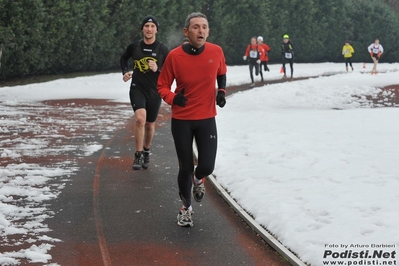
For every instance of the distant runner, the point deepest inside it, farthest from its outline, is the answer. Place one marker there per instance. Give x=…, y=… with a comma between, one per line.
x=265, y=56
x=375, y=49
x=287, y=51
x=253, y=53
x=347, y=52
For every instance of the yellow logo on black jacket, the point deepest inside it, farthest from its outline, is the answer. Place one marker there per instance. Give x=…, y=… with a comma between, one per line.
x=142, y=64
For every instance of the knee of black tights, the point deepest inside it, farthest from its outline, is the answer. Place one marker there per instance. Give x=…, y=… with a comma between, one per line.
x=204, y=171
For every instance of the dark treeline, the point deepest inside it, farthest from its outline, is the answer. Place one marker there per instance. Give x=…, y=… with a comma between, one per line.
x=40, y=37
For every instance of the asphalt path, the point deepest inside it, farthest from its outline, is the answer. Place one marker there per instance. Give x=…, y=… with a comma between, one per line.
x=113, y=215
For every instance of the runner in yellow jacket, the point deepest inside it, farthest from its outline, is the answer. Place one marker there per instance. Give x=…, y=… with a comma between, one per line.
x=347, y=52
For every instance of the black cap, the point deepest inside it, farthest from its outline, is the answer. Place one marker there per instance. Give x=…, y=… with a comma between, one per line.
x=149, y=19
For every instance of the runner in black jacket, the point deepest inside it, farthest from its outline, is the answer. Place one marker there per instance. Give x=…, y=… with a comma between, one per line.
x=287, y=51
x=148, y=57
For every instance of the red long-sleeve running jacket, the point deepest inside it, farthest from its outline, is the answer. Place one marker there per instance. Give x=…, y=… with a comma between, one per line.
x=197, y=73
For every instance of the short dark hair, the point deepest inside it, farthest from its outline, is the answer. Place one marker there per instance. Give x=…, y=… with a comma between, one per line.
x=193, y=15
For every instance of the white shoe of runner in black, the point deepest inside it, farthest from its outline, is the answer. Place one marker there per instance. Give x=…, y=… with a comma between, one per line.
x=138, y=161
x=146, y=159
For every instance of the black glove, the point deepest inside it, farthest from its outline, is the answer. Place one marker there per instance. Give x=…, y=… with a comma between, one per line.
x=220, y=99
x=179, y=98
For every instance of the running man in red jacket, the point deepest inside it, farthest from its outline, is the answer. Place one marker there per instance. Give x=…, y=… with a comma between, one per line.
x=253, y=53
x=195, y=66
x=265, y=57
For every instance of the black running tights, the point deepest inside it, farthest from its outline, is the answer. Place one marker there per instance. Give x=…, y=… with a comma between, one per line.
x=251, y=70
x=291, y=62
x=205, y=134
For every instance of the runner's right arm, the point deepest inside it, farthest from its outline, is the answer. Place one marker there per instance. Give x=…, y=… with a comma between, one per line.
x=370, y=49
x=246, y=52
x=124, y=60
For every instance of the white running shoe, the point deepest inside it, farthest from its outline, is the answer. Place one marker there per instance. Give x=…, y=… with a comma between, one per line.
x=184, y=218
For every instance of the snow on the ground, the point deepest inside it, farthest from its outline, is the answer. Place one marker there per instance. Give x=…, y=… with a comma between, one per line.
x=310, y=160
x=313, y=167
x=30, y=130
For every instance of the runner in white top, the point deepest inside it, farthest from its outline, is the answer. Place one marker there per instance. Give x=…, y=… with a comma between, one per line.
x=375, y=49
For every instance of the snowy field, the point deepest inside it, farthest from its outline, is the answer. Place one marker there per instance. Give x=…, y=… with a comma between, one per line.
x=312, y=161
